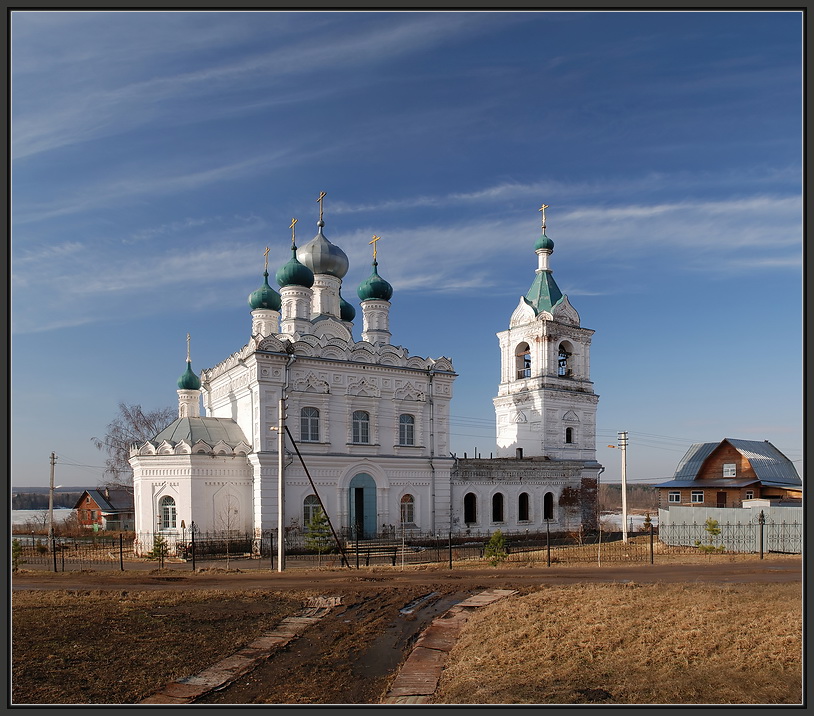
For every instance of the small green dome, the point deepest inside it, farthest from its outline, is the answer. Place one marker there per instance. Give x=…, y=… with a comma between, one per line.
x=374, y=287
x=346, y=311
x=294, y=273
x=265, y=296
x=544, y=243
x=189, y=381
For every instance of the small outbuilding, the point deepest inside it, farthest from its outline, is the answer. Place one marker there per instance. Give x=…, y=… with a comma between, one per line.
x=731, y=473
x=106, y=509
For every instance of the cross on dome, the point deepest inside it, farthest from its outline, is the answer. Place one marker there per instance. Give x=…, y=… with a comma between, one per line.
x=375, y=239
x=293, y=222
x=322, y=195
x=266, y=254
x=543, y=208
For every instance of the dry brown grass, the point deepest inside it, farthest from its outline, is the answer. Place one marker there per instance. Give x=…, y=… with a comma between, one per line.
x=632, y=644
x=98, y=647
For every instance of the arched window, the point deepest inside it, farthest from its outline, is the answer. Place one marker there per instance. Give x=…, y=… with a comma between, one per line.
x=523, y=361
x=569, y=435
x=564, y=367
x=523, y=507
x=166, y=511
x=309, y=425
x=406, y=430
x=361, y=427
x=548, y=506
x=407, y=510
x=497, y=507
x=470, y=508
x=309, y=508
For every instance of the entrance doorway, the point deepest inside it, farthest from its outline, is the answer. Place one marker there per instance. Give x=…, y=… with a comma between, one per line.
x=362, y=506
x=720, y=499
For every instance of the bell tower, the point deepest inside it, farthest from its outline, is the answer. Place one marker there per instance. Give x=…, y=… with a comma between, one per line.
x=545, y=405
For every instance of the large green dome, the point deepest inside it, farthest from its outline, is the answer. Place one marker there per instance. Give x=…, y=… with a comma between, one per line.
x=374, y=287
x=189, y=381
x=294, y=273
x=265, y=296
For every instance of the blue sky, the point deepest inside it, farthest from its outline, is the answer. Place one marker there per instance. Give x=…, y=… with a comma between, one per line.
x=156, y=154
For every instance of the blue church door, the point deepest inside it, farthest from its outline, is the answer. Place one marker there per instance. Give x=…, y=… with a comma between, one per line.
x=362, y=506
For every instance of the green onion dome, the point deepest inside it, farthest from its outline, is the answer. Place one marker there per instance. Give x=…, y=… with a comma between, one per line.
x=189, y=381
x=544, y=243
x=346, y=311
x=294, y=273
x=265, y=296
x=374, y=287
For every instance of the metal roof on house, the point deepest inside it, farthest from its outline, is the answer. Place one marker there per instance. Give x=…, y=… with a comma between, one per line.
x=771, y=466
x=210, y=430
x=720, y=482
x=116, y=500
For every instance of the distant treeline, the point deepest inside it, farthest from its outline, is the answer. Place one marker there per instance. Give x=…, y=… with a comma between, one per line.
x=639, y=497
x=39, y=501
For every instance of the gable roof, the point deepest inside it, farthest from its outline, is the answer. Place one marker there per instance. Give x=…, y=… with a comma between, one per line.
x=116, y=500
x=771, y=466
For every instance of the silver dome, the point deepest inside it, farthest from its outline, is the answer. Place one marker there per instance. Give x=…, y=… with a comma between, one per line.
x=321, y=256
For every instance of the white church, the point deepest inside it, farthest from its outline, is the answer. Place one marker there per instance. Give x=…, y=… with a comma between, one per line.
x=305, y=415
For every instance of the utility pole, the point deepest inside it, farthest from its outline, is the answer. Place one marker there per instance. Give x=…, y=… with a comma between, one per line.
x=281, y=485
x=623, y=447
x=51, y=503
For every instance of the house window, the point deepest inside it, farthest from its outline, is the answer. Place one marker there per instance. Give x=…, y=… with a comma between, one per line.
x=309, y=425
x=361, y=427
x=93, y=515
x=750, y=495
x=729, y=470
x=697, y=496
x=310, y=506
x=569, y=435
x=523, y=507
x=674, y=496
x=407, y=510
x=166, y=511
x=548, y=506
x=406, y=430
x=497, y=508
x=470, y=508
x=523, y=361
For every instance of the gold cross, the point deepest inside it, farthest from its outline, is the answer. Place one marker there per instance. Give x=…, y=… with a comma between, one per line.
x=375, y=239
x=293, y=221
x=543, y=208
x=266, y=254
x=188, y=359
x=322, y=195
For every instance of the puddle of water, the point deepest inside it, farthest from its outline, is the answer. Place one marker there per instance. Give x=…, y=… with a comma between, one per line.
x=412, y=606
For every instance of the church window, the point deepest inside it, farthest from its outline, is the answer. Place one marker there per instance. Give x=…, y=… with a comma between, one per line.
x=730, y=470
x=548, y=506
x=523, y=507
x=569, y=435
x=166, y=509
x=563, y=364
x=361, y=427
x=470, y=508
x=407, y=510
x=406, y=430
x=497, y=508
x=309, y=425
x=309, y=508
x=523, y=361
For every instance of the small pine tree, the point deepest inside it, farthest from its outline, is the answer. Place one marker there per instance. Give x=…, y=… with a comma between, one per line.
x=318, y=534
x=16, y=554
x=159, y=551
x=495, y=550
x=713, y=529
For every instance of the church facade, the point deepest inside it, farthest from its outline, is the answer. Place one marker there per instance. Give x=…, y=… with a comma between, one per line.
x=361, y=428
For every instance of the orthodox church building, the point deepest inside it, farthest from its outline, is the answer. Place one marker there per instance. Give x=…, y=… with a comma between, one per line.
x=361, y=427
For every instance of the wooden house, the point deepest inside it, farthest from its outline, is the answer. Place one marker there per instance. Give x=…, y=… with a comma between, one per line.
x=727, y=473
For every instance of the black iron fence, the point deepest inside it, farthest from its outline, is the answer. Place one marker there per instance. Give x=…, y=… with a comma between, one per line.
x=413, y=548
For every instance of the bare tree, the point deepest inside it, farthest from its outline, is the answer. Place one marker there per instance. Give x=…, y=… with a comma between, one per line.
x=229, y=519
x=131, y=425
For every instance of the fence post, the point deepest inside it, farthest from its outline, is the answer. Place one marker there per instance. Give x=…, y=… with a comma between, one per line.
x=651, y=543
x=761, y=520
x=548, y=543
x=450, y=549
x=121, y=552
x=192, y=528
x=62, y=554
x=54, y=550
